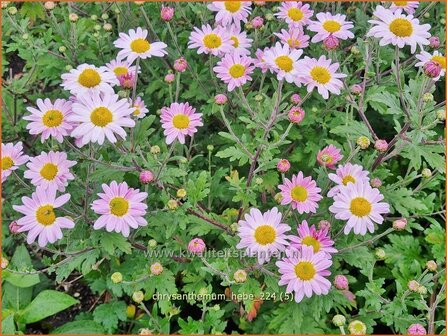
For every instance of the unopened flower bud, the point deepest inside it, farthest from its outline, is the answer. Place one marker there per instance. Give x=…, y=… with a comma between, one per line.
x=324, y=225
x=376, y=182
x=107, y=27
x=155, y=149
x=105, y=16
x=356, y=89
x=413, y=285
x=14, y=227
x=97, y=27
x=196, y=246
x=73, y=17
x=355, y=50
x=427, y=97
x=152, y=243
x=220, y=99
x=172, y=204
x=156, y=268
x=138, y=296
x=117, y=277
x=283, y=166
x=49, y=5
x=422, y=290
x=12, y=10
x=181, y=193
x=130, y=311
x=259, y=98
x=363, y=142
x=380, y=253
x=434, y=42
x=339, y=320
x=259, y=180
x=169, y=78
x=5, y=262
x=381, y=146
x=426, y=173
x=240, y=276
x=440, y=114
x=269, y=17
x=416, y=329
x=257, y=22
x=341, y=282
x=180, y=64
x=210, y=148
x=146, y=177
x=357, y=327
x=25, y=36
x=432, y=69
x=167, y=13
x=431, y=265
x=278, y=198
x=62, y=49
x=295, y=99
x=296, y=115
x=400, y=224
x=331, y=42
x=94, y=17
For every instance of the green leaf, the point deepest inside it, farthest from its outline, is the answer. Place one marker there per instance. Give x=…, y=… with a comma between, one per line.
x=109, y=315
x=21, y=261
x=8, y=326
x=110, y=241
x=80, y=327
x=46, y=303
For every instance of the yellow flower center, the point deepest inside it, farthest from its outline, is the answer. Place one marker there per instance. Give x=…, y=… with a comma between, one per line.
x=347, y=179
x=137, y=111
x=265, y=234
x=360, y=207
x=235, y=41
x=295, y=14
x=45, y=215
x=140, y=46
x=119, y=206
x=320, y=75
x=237, y=70
x=89, y=78
x=7, y=162
x=212, y=41
x=311, y=241
x=181, y=121
x=401, y=27
x=101, y=116
x=400, y=3
x=331, y=26
x=440, y=60
x=305, y=270
x=326, y=158
x=52, y=118
x=284, y=63
x=49, y=171
x=119, y=71
x=232, y=6
x=293, y=43
x=299, y=194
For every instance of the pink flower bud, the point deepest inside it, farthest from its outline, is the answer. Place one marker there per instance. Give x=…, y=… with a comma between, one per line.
x=180, y=64
x=14, y=227
x=432, y=69
x=413, y=285
x=431, y=265
x=257, y=22
x=400, y=224
x=376, y=182
x=220, y=99
x=324, y=225
x=146, y=177
x=416, y=329
x=434, y=42
x=169, y=78
x=381, y=146
x=295, y=99
x=296, y=115
x=341, y=282
x=260, y=3
x=283, y=165
x=331, y=42
x=167, y=13
x=356, y=89
x=196, y=246
x=156, y=268
x=127, y=81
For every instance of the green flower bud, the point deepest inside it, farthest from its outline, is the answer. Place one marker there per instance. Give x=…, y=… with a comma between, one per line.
x=122, y=94
x=138, y=296
x=104, y=16
x=357, y=327
x=259, y=98
x=339, y=320
x=68, y=67
x=94, y=17
x=269, y=17
x=440, y=114
x=422, y=290
x=380, y=253
x=12, y=10
x=259, y=180
x=428, y=97
x=355, y=50
x=152, y=243
x=240, y=276
x=117, y=277
x=210, y=148
x=62, y=49
x=426, y=173
x=363, y=142
x=97, y=27
x=155, y=149
x=25, y=36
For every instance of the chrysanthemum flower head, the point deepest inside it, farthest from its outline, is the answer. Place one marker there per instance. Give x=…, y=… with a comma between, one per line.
x=301, y=192
x=239, y=40
x=407, y=6
x=310, y=236
x=120, y=207
x=263, y=234
x=50, y=119
x=425, y=57
x=135, y=45
x=329, y=156
x=295, y=13
x=121, y=67
x=399, y=29
x=50, y=170
x=88, y=79
x=304, y=272
x=234, y=69
x=321, y=74
x=260, y=60
x=331, y=25
x=140, y=108
x=230, y=11
x=40, y=218
x=179, y=120
x=99, y=117
x=345, y=174
x=294, y=37
x=359, y=204
x=283, y=61
x=12, y=158
x=416, y=329
x=210, y=41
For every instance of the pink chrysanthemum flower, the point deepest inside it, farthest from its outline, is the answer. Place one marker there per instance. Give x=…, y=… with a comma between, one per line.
x=179, y=120
x=50, y=170
x=140, y=108
x=416, y=329
x=40, y=217
x=305, y=273
x=121, y=67
x=331, y=25
x=210, y=41
x=135, y=45
x=12, y=158
x=283, y=61
x=360, y=205
x=196, y=246
x=310, y=236
x=329, y=156
x=321, y=74
x=425, y=57
x=101, y=117
x=407, y=6
x=295, y=13
x=120, y=207
x=260, y=60
x=302, y=192
x=239, y=40
x=234, y=69
x=399, y=29
x=50, y=119
x=230, y=11
x=88, y=79
x=345, y=174
x=263, y=235
x=294, y=37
